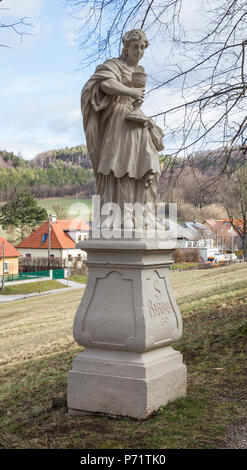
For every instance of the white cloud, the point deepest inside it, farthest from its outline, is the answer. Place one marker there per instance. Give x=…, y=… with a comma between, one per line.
x=23, y=8
x=44, y=83
x=41, y=122
x=42, y=112
x=33, y=144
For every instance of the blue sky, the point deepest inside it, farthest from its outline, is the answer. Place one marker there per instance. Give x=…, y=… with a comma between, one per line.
x=40, y=82
x=41, y=78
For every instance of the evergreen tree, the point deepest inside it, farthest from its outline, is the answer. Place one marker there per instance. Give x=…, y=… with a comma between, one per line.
x=21, y=210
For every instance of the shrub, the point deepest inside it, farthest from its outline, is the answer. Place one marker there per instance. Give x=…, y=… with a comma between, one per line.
x=186, y=255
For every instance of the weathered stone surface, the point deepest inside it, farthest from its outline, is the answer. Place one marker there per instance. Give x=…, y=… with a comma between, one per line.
x=123, y=150
x=126, y=384
x=127, y=320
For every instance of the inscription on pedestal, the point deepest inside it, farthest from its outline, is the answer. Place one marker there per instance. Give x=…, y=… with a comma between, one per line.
x=159, y=308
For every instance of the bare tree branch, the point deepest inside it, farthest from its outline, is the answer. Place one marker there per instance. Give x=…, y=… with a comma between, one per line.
x=18, y=27
x=210, y=66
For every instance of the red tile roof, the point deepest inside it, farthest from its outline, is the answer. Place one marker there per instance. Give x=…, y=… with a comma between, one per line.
x=224, y=224
x=9, y=250
x=218, y=224
x=58, y=236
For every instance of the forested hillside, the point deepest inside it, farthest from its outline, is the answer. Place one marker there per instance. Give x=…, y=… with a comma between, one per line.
x=195, y=184
x=199, y=184
x=54, y=173
x=72, y=156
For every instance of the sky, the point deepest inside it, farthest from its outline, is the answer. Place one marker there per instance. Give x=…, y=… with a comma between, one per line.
x=40, y=83
x=41, y=79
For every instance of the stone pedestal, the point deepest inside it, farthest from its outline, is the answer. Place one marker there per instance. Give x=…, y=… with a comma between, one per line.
x=127, y=321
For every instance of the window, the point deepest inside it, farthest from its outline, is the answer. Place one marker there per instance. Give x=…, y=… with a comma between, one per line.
x=79, y=238
x=6, y=267
x=44, y=238
x=28, y=255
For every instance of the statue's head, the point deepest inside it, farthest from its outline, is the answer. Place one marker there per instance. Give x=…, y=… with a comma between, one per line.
x=132, y=38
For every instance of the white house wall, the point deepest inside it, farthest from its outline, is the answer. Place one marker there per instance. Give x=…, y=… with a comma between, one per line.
x=43, y=252
x=75, y=235
x=196, y=243
x=72, y=252
x=39, y=252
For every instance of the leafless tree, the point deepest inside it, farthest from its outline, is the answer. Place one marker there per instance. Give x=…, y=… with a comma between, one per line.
x=209, y=69
x=18, y=26
x=234, y=200
x=59, y=211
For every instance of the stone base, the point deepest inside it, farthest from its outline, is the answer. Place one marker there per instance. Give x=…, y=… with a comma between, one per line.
x=127, y=321
x=124, y=383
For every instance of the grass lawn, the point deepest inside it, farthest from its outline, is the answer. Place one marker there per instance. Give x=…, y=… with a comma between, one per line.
x=32, y=287
x=37, y=349
x=80, y=278
x=176, y=266
x=74, y=207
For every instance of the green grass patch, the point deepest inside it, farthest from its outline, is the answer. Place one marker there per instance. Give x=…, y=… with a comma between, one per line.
x=73, y=207
x=80, y=278
x=32, y=287
x=178, y=266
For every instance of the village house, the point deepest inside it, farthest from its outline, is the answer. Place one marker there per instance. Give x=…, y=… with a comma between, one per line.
x=224, y=235
x=196, y=235
x=9, y=258
x=186, y=239
x=201, y=235
x=61, y=242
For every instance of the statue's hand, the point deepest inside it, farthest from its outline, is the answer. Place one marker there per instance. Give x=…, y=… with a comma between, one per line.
x=149, y=123
x=137, y=94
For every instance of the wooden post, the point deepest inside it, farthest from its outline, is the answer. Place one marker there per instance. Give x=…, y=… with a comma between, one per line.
x=49, y=242
x=3, y=281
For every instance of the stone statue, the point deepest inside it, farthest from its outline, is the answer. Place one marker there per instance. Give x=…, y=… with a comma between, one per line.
x=122, y=142
x=128, y=318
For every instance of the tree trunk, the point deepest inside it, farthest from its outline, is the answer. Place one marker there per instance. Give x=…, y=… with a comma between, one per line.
x=244, y=247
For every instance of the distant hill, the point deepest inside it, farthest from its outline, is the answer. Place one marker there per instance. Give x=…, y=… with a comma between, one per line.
x=10, y=160
x=53, y=173
x=68, y=171
x=209, y=163
x=71, y=156
x=198, y=184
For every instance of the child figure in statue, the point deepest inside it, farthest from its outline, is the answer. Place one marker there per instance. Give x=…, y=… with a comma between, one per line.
x=123, y=151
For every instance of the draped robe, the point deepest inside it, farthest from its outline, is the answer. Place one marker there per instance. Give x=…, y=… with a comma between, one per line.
x=124, y=154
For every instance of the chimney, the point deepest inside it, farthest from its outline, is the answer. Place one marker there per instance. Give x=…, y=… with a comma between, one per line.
x=53, y=218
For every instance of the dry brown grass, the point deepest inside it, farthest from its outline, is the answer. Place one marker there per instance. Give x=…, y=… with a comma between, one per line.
x=196, y=284
x=37, y=326
x=37, y=349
